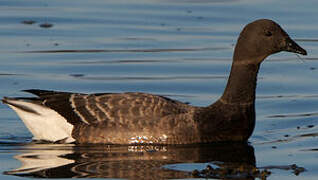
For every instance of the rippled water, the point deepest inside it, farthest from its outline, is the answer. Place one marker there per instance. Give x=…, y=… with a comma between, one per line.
x=177, y=48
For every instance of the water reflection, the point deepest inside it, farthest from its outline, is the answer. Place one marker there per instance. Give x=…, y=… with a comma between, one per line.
x=132, y=162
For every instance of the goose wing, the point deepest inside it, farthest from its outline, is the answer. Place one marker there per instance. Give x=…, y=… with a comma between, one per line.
x=78, y=108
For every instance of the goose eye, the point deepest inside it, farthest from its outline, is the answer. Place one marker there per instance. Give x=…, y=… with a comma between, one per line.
x=268, y=33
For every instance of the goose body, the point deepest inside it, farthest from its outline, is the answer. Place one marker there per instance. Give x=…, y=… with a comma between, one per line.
x=133, y=117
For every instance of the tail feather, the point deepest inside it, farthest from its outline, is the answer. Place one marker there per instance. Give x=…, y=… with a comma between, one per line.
x=43, y=122
x=43, y=93
x=15, y=103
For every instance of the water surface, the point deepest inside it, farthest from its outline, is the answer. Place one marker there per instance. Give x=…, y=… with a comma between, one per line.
x=181, y=49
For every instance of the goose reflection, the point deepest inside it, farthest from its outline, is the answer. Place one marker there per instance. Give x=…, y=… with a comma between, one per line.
x=131, y=162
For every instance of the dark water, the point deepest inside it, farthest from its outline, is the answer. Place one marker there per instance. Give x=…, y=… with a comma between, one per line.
x=177, y=48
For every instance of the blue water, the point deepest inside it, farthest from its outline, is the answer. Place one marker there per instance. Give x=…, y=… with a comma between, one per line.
x=178, y=48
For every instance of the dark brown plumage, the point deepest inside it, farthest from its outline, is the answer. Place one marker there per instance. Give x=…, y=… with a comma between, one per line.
x=126, y=118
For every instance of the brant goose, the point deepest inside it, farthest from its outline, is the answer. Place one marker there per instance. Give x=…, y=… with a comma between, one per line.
x=134, y=117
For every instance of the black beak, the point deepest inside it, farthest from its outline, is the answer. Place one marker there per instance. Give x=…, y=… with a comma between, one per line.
x=292, y=46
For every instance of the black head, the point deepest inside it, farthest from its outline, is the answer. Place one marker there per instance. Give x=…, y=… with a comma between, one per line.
x=262, y=38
